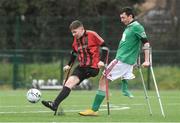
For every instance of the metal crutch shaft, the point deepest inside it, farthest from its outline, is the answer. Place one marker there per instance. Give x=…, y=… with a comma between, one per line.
x=107, y=84
x=145, y=90
x=155, y=84
x=107, y=96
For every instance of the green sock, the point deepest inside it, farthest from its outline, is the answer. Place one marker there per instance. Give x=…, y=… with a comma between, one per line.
x=124, y=86
x=100, y=95
x=125, y=90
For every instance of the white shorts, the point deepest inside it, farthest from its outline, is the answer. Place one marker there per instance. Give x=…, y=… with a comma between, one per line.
x=117, y=69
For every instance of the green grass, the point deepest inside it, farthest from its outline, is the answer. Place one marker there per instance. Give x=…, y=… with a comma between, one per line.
x=15, y=108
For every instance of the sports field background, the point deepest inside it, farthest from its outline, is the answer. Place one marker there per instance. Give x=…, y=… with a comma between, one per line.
x=15, y=108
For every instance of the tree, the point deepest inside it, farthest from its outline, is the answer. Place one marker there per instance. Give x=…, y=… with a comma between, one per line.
x=44, y=23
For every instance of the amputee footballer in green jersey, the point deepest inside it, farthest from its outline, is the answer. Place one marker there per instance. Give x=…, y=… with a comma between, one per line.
x=130, y=44
x=122, y=66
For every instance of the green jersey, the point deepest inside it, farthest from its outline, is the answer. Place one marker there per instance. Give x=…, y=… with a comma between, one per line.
x=130, y=44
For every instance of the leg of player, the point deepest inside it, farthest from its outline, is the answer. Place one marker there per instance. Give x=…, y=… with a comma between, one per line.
x=124, y=88
x=62, y=95
x=71, y=82
x=100, y=95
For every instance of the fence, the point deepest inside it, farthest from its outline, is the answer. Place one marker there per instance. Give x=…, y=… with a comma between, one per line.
x=46, y=32
x=21, y=67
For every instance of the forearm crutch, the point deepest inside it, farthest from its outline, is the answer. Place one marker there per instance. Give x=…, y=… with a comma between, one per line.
x=107, y=96
x=145, y=90
x=155, y=83
x=107, y=84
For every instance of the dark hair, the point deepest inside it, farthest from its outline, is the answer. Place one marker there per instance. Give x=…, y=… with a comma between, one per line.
x=75, y=24
x=128, y=11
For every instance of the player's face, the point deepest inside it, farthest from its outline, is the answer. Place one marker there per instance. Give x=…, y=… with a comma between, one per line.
x=77, y=33
x=125, y=18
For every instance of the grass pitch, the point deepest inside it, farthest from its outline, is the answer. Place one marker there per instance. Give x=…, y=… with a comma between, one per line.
x=15, y=108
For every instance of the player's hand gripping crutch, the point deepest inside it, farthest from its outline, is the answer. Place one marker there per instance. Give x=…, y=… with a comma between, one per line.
x=68, y=70
x=154, y=79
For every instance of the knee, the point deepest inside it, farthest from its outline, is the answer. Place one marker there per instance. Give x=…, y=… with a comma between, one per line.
x=102, y=81
x=72, y=81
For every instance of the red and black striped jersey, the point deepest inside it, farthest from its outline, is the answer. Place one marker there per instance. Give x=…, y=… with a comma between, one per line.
x=88, y=49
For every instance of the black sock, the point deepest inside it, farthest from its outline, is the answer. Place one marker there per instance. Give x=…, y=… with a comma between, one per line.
x=62, y=95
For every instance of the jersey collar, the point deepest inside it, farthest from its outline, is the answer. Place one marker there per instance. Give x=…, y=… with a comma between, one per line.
x=131, y=23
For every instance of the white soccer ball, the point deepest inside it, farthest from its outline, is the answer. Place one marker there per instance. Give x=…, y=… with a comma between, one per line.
x=33, y=95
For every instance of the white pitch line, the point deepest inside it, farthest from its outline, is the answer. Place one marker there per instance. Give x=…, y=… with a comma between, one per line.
x=115, y=109
x=111, y=105
x=23, y=112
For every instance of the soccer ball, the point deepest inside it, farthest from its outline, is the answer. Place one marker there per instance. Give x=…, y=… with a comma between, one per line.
x=33, y=95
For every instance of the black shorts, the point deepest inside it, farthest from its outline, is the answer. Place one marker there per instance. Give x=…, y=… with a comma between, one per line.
x=85, y=72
